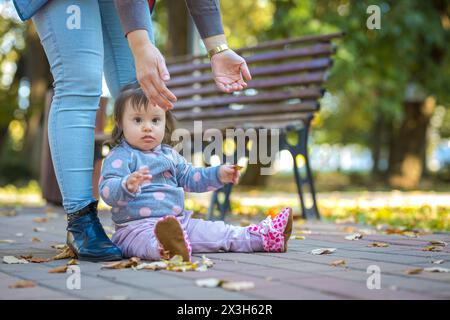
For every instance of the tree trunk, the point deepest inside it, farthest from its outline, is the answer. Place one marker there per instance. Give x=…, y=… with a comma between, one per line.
x=177, y=13
x=38, y=72
x=377, y=142
x=406, y=163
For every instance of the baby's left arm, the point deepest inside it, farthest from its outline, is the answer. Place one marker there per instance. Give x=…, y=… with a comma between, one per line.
x=194, y=179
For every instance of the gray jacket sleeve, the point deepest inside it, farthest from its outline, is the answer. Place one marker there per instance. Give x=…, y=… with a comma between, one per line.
x=206, y=15
x=135, y=14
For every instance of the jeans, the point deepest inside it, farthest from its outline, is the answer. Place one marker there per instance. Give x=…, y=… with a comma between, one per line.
x=81, y=39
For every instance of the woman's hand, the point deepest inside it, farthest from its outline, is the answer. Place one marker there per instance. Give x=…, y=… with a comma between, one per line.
x=229, y=173
x=151, y=69
x=228, y=68
x=138, y=178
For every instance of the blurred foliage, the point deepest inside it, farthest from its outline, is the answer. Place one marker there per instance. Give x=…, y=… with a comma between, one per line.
x=425, y=217
x=373, y=68
x=12, y=43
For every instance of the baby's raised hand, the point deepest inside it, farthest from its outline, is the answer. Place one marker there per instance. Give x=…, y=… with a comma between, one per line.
x=229, y=173
x=138, y=178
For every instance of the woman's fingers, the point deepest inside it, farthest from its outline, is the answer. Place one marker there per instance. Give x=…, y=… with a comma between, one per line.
x=245, y=71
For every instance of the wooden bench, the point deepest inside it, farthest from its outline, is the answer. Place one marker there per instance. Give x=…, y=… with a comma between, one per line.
x=288, y=82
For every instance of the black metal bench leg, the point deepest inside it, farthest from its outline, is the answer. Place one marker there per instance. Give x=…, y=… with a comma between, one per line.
x=220, y=200
x=303, y=175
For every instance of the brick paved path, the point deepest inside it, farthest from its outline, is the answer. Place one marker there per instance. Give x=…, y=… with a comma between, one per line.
x=296, y=274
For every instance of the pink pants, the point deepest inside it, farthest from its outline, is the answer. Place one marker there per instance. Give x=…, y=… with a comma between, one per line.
x=137, y=239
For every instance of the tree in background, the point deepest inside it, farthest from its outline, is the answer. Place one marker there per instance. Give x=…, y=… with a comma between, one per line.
x=386, y=82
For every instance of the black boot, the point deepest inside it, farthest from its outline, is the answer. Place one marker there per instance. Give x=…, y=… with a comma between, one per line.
x=86, y=237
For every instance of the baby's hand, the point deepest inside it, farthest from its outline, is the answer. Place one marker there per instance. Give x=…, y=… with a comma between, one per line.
x=137, y=178
x=229, y=173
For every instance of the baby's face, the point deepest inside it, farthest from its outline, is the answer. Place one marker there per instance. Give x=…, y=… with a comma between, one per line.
x=144, y=129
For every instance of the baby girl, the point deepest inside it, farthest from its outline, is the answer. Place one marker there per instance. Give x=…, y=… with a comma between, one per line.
x=144, y=180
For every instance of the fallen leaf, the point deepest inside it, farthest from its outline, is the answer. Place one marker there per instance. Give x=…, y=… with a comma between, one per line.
x=183, y=267
x=13, y=260
x=303, y=232
x=61, y=246
x=157, y=265
x=437, y=269
x=64, y=254
x=202, y=268
x=208, y=282
x=337, y=263
x=72, y=262
x=39, y=229
x=438, y=261
x=355, y=236
x=8, y=213
x=438, y=243
x=294, y=237
x=132, y=262
x=40, y=220
x=414, y=271
x=7, y=241
x=432, y=249
x=323, y=251
x=207, y=262
x=60, y=269
x=238, y=285
x=35, y=239
x=378, y=245
x=23, y=284
x=36, y=260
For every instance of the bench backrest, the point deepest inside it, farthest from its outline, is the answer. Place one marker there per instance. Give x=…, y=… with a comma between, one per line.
x=288, y=78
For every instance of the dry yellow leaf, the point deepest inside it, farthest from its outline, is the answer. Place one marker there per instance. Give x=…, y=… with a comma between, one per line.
x=8, y=241
x=60, y=269
x=72, y=262
x=64, y=254
x=337, y=263
x=414, y=271
x=132, y=262
x=378, y=245
x=35, y=239
x=23, y=284
x=438, y=243
x=432, y=249
x=37, y=260
x=8, y=213
x=40, y=220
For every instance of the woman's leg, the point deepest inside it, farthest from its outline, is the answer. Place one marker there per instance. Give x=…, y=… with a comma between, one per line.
x=118, y=63
x=70, y=32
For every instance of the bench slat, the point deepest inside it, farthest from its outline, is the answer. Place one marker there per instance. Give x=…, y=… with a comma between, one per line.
x=323, y=49
x=310, y=93
x=267, y=121
x=310, y=65
x=264, y=45
x=274, y=109
x=274, y=82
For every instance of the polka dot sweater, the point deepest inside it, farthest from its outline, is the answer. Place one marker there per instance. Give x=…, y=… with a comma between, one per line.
x=171, y=174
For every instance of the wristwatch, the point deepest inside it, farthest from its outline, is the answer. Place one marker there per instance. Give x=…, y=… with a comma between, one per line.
x=217, y=49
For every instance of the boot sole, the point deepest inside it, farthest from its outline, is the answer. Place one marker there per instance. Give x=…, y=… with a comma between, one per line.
x=93, y=259
x=288, y=230
x=170, y=235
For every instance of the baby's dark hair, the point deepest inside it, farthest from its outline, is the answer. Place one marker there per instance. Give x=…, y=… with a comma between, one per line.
x=134, y=94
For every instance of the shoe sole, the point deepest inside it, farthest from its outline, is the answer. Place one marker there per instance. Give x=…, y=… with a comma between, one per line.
x=171, y=237
x=288, y=230
x=93, y=259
